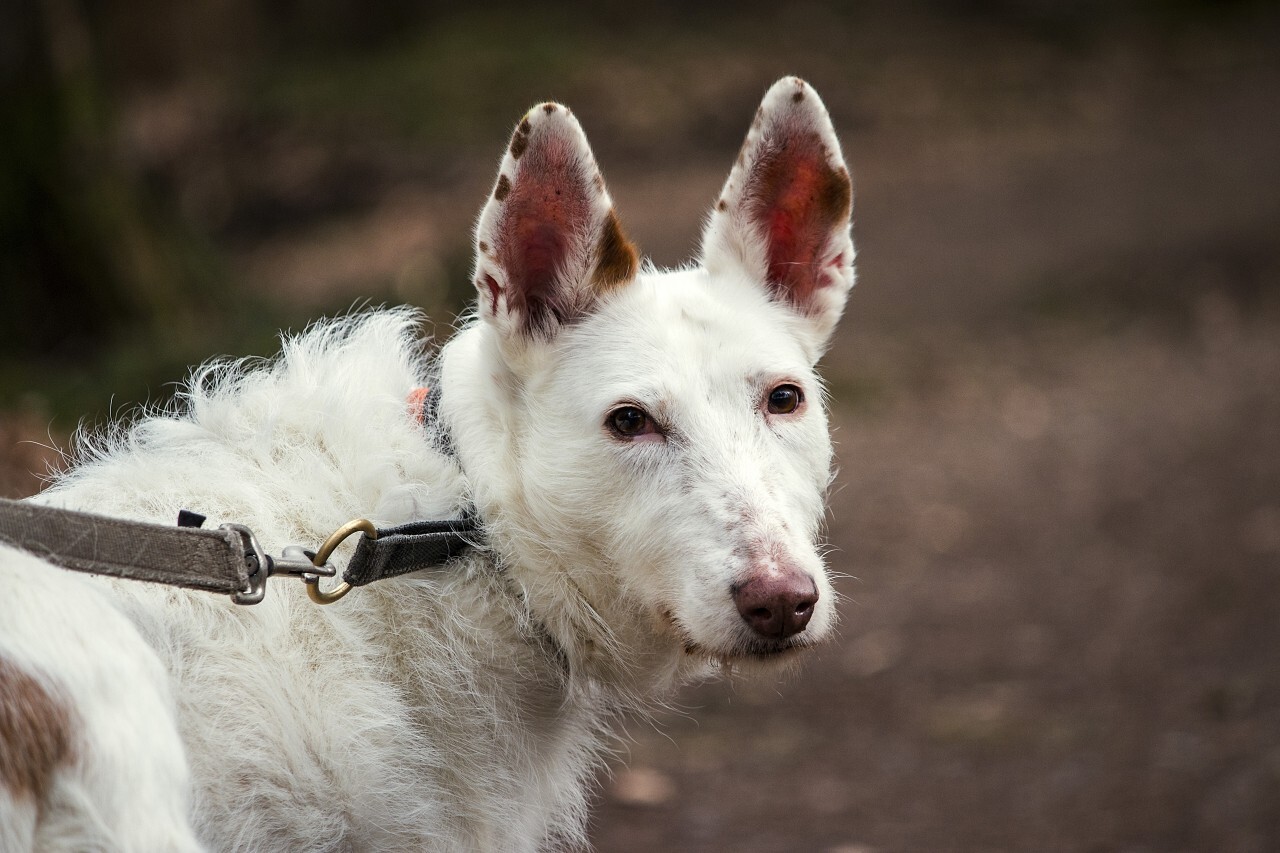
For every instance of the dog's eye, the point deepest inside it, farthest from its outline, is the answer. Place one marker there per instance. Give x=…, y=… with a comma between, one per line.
x=785, y=400
x=630, y=422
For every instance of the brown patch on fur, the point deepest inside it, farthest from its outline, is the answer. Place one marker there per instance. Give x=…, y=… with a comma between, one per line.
x=484, y=247
x=722, y=205
x=35, y=733
x=618, y=259
x=548, y=108
x=797, y=97
x=503, y=188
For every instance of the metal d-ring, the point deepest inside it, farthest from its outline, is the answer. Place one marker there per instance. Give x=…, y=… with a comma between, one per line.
x=319, y=596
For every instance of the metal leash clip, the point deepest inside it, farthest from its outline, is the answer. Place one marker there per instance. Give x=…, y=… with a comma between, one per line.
x=293, y=560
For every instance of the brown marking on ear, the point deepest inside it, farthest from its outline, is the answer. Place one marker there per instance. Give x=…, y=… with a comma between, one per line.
x=618, y=259
x=799, y=199
x=502, y=189
x=487, y=283
x=519, y=142
x=35, y=730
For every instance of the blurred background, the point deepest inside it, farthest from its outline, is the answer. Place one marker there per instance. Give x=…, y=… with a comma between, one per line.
x=1055, y=390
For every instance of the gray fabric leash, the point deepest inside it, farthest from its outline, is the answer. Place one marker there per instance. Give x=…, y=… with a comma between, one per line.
x=212, y=560
x=227, y=559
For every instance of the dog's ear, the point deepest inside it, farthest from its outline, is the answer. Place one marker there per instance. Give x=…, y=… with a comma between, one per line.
x=548, y=242
x=783, y=217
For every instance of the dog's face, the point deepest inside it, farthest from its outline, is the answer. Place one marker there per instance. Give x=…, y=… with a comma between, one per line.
x=659, y=453
x=689, y=425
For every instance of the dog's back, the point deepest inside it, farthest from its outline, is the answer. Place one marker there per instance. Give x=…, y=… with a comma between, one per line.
x=648, y=454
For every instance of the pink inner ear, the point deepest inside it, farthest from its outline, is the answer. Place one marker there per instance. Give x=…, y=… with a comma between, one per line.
x=542, y=214
x=801, y=201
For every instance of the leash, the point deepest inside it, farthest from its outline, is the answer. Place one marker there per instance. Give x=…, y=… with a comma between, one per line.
x=228, y=559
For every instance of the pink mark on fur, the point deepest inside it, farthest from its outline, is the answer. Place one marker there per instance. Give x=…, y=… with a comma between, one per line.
x=417, y=403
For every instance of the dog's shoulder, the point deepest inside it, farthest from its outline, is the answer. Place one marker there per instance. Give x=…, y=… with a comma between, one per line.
x=291, y=445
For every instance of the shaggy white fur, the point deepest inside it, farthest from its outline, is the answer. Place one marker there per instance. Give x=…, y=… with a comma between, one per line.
x=647, y=450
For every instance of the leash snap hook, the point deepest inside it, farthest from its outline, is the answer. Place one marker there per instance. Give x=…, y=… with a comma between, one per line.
x=292, y=561
x=312, y=578
x=258, y=560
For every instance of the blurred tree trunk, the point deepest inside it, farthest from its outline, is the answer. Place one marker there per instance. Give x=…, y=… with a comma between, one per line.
x=84, y=257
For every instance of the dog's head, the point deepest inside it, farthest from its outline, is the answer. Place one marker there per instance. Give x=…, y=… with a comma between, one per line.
x=650, y=449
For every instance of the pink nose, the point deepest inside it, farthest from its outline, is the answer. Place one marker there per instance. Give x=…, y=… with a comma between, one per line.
x=777, y=605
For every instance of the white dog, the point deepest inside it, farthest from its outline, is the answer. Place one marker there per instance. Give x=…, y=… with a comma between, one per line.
x=648, y=455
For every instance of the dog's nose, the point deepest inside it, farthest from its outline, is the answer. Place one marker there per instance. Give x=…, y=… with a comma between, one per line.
x=778, y=605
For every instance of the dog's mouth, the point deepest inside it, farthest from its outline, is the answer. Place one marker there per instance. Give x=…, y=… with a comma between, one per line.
x=744, y=649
